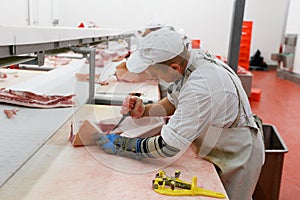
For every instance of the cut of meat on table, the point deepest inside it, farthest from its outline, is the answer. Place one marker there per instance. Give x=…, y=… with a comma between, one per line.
x=106, y=128
x=104, y=56
x=11, y=113
x=56, y=61
x=85, y=77
x=3, y=75
x=30, y=99
x=87, y=134
x=102, y=82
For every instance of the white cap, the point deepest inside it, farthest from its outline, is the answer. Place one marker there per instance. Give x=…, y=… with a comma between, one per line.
x=158, y=25
x=154, y=25
x=158, y=46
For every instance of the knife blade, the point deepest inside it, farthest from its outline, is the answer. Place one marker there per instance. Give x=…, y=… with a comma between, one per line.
x=138, y=94
x=121, y=120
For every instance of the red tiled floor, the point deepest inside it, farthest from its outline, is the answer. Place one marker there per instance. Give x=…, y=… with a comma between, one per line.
x=280, y=105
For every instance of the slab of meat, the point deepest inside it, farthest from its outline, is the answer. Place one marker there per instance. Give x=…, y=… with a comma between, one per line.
x=106, y=128
x=3, y=75
x=87, y=134
x=30, y=99
x=85, y=77
x=56, y=61
x=10, y=113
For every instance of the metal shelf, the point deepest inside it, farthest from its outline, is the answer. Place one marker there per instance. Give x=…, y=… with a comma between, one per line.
x=16, y=41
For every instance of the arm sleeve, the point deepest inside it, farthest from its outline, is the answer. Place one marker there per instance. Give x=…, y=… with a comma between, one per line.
x=151, y=147
x=156, y=147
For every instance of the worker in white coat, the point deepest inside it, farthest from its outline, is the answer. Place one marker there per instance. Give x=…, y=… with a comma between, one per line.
x=208, y=108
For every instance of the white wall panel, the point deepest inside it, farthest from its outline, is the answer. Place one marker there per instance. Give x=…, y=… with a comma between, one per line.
x=268, y=18
x=13, y=12
x=208, y=20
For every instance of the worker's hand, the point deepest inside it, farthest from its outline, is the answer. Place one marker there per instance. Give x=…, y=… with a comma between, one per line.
x=134, y=105
x=107, y=143
x=117, y=145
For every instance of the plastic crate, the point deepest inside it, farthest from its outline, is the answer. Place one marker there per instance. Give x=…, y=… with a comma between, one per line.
x=244, y=63
x=196, y=44
x=245, y=42
x=268, y=186
x=255, y=94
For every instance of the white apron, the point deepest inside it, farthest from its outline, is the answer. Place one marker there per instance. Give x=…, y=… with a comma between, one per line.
x=237, y=152
x=238, y=163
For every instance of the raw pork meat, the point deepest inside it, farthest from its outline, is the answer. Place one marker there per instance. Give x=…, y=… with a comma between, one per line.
x=30, y=99
x=56, y=61
x=106, y=128
x=85, y=77
x=10, y=113
x=87, y=134
x=104, y=56
x=3, y=75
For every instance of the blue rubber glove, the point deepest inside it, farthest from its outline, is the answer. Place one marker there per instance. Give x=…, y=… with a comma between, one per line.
x=117, y=145
x=106, y=143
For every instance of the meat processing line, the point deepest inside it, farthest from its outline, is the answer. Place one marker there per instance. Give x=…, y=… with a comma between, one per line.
x=19, y=44
x=46, y=147
x=23, y=44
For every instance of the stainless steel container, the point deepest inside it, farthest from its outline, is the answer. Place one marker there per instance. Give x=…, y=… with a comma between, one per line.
x=268, y=186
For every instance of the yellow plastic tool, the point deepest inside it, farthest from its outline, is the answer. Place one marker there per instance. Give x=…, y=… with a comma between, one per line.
x=173, y=186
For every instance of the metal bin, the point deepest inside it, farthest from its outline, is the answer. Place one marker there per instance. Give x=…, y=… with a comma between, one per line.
x=268, y=186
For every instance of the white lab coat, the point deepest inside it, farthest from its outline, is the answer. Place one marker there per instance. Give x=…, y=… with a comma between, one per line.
x=218, y=119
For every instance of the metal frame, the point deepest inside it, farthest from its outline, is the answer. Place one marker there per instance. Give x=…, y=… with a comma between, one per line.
x=235, y=36
x=89, y=53
x=18, y=49
x=17, y=53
